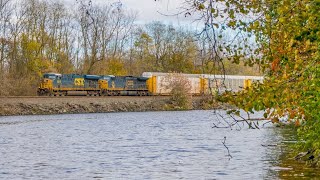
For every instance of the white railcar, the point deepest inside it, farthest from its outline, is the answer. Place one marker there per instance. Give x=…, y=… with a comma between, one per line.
x=234, y=83
x=159, y=83
x=162, y=83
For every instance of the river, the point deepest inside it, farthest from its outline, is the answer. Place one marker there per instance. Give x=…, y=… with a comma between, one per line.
x=138, y=145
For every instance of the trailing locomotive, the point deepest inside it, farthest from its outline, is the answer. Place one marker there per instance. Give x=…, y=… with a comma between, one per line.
x=54, y=84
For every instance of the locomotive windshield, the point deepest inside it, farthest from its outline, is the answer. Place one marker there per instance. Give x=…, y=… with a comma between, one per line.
x=52, y=76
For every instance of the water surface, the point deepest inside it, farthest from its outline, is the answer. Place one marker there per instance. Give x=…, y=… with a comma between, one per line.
x=139, y=145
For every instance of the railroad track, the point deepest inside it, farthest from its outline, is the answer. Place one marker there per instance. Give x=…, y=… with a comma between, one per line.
x=79, y=96
x=36, y=97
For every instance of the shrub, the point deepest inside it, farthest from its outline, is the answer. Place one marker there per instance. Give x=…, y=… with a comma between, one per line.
x=180, y=91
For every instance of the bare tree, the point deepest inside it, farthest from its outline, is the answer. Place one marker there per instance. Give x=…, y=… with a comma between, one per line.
x=105, y=32
x=5, y=16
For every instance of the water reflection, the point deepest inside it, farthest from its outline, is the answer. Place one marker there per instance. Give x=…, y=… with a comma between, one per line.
x=150, y=145
x=281, y=156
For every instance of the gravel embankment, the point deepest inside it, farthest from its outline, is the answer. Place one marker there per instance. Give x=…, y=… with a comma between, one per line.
x=63, y=105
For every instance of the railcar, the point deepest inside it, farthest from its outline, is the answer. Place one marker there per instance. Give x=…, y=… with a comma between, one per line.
x=162, y=83
x=200, y=83
x=222, y=83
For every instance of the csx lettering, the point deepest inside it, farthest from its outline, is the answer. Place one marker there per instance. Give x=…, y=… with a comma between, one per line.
x=79, y=81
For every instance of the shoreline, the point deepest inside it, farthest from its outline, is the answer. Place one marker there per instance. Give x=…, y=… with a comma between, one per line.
x=19, y=106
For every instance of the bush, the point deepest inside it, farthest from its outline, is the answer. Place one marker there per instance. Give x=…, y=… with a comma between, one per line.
x=5, y=86
x=180, y=91
x=23, y=86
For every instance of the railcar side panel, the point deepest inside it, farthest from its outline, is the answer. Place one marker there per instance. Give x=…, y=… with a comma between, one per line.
x=162, y=84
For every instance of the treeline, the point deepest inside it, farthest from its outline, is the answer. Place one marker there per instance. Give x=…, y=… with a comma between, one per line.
x=47, y=36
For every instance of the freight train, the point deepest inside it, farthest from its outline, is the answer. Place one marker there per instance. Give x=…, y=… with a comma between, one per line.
x=150, y=83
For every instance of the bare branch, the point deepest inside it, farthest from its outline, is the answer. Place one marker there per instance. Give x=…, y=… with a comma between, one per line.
x=224, y=144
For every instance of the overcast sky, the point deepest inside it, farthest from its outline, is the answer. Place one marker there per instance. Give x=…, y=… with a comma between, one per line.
x=150, y=10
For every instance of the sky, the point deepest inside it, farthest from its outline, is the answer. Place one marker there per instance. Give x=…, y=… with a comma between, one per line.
x=151, y=10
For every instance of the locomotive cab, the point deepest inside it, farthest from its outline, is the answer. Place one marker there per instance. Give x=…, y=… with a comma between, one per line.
x=46, y=83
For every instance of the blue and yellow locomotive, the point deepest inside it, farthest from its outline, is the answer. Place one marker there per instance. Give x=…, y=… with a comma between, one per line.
x=54, y=84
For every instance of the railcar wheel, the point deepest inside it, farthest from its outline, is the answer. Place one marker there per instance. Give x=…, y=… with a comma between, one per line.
x=109, y=93
x=97, y=93
x=44, y=93
x=102, y=93
x=113, y=93
x=40, y=93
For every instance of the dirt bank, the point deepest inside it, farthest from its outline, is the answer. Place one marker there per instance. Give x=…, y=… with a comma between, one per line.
x=63, y=105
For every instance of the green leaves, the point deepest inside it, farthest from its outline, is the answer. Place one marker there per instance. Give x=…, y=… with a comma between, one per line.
x=232, y=23
x=201, y=6
x=231, y=14
x=287, y=36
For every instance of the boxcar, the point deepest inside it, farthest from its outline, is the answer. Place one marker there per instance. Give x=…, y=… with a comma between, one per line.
x=162, y=83
x=222, y=83
x=158, y=83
